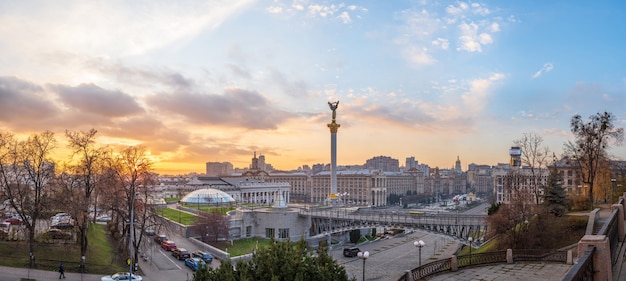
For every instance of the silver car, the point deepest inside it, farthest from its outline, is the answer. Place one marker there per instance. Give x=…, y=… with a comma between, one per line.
x=121, y=276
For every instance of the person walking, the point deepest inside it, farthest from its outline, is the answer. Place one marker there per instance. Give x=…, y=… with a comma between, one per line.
x=61, y=271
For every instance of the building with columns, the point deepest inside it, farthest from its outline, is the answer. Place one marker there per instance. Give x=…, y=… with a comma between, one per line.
x=245, y=190
x=364, y=187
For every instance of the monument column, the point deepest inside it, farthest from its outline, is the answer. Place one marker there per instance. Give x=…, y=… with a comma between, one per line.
x=334, y=127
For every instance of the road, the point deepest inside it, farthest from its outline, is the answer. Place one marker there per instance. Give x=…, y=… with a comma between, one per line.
x=162, y=266
x=390, y=258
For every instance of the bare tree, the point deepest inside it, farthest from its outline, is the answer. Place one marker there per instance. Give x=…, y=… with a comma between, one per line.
x=534, y=156
x=133, y=172
x=26, y=169
x=591, y=141
x=86, y=170
x=213, y=226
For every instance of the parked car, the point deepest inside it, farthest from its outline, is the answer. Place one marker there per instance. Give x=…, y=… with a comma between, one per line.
x=63, y=225
x=351, y=252
x=160, y=238
x=60, y=216
x=55, y=233
x=206, y=257
x=180, y=253
x=168, y=245
x=62, y=221
x=5, y=226
x=14, y=220
x=121, y=276
x=195, y=263
x=103, y=218
x=7, y=215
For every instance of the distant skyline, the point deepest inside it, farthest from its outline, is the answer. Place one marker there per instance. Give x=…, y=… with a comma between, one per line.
x=215, y=81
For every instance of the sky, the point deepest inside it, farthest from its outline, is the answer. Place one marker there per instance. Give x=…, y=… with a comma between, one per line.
x=218, y=80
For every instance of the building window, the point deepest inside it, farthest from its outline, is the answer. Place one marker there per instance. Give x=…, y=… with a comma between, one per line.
x=248, y=231
x=269, y=233
x=283, y=233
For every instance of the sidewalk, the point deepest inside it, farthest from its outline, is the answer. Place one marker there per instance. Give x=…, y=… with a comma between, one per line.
x=15, y=274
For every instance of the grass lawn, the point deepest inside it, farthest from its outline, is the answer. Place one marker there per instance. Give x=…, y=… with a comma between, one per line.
x=178, y=216
x=211, y=209
x=242, y=246
x=48, y=256
x=172, y=200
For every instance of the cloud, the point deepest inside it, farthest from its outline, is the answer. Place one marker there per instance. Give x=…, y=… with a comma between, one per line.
x=23, y=101
x=467, y=26
x=476, y=99
x=442, y=43
x=274, y=10
x=318, y=11
x=297, y=89
x=109, y=28
x=457, y=10
x=419, y=56
x=470, y=39
x=547, y=67
x=235, y=108
x=90, y=98
x=345, y=17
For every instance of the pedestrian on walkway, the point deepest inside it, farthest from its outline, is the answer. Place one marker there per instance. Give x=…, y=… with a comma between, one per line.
x=61, y=271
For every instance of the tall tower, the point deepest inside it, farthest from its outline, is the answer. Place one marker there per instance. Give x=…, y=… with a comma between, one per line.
x=516, y=156
x=334, y=127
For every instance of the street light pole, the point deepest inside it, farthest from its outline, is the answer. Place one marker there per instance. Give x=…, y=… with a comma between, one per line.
x=613, y=182
x=470, y=239
x=363, y=256
x=419, y=244
x=130, y=233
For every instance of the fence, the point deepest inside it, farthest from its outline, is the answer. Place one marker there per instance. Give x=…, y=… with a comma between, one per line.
x=481, y=259
x=583, y=269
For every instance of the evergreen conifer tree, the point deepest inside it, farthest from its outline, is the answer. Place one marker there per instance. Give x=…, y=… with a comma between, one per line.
x=555, y=198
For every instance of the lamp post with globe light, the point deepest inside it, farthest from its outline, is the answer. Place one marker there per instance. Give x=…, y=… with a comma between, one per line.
x=363, y=256
x=470, y=239
x=419, y=244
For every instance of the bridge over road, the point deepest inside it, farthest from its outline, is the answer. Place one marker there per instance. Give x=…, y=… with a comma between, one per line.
x=325, y=221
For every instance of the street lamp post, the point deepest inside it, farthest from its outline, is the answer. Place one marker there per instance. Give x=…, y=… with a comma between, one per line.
x=419, y=244
x=613, y=182
x=363, y=256
x=470, y=239
x=130, y=234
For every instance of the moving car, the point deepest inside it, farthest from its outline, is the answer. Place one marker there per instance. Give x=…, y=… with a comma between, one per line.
x=351, y=252
x=206, y=257
x=168, y=245
x=121, y=276
x=149, y=231
x=195, y=263
x=160, y=238
x=180, y=253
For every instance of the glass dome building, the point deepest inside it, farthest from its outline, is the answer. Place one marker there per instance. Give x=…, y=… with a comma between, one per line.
x=207, y=196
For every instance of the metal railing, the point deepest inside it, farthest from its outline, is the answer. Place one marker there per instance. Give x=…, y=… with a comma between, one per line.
x=482, y=259
x=609, y=229
x=539, y=255
x=583, y=269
